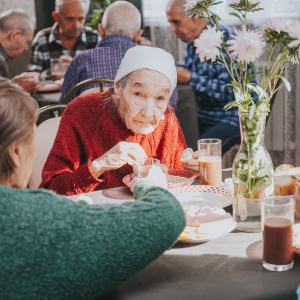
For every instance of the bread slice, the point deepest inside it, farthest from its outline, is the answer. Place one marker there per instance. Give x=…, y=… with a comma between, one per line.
x=284, y=184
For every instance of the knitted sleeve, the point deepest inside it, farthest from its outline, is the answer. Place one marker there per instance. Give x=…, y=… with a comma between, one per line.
x=65, y=171
x=67, y=250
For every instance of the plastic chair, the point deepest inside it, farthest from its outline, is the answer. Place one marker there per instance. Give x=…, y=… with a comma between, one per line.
x=85, y=83
x=44, y=139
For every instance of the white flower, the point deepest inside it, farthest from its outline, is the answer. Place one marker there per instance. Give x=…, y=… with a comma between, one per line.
x=293, y=29
x=208, y=44
x=276, y=24
x=246, y=46
x=190, y=4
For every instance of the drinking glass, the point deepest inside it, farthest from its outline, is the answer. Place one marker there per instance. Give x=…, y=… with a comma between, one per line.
x=278, y=220
x=57, y=69
x=210, y=161
x=141, y=167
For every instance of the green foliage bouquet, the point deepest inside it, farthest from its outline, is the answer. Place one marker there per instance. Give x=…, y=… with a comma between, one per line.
x=280, y=38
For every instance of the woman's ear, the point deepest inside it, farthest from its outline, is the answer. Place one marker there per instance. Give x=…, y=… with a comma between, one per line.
x=14, y=152
x=117, y=88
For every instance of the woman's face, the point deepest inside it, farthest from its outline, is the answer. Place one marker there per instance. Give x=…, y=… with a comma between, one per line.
x=144, y=100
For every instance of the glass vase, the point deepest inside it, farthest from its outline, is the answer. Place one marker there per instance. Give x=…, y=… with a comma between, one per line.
x=252, y=174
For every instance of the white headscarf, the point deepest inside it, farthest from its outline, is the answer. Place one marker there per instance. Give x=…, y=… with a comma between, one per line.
x=144, y=57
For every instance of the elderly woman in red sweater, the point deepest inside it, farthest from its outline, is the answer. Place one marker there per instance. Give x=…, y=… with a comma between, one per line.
x=101, y=134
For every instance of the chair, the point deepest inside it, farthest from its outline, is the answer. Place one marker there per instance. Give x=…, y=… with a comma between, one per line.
x=85, y=83
x=44, y=138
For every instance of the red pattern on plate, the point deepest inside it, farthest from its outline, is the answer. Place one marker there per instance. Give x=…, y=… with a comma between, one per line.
x=204, y=189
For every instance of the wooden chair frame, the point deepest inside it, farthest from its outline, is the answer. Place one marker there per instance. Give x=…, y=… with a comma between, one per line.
x=84, y=83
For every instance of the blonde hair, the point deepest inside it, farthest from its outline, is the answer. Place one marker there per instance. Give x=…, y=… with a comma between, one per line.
x=17, y=117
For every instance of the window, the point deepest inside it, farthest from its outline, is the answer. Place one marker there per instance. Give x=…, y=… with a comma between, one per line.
x=154, y=11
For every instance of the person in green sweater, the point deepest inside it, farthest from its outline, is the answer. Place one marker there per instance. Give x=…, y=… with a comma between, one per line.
x=54, y=248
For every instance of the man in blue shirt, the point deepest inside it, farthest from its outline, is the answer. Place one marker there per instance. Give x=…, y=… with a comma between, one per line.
x=209, y=80
x=120, y=30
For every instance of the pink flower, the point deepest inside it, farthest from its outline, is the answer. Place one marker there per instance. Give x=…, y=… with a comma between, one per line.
x=246, y=46
x=208, y=44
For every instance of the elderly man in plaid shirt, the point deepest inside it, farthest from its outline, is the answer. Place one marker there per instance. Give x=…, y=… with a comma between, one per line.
x=66, y=38
x=209, y=80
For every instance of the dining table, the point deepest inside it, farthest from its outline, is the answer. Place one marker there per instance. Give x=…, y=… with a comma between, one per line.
x=226, y=267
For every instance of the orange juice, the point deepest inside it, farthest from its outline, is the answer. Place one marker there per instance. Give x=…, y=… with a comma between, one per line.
x=210, y=168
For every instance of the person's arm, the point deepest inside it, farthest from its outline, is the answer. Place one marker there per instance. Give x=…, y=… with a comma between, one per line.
x=212, y=81
x=207, y=78
x=40, y=59
x=73, y=248
x=64, y=171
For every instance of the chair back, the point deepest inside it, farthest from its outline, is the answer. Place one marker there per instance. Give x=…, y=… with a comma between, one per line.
x=85, y=83
x=44, y=138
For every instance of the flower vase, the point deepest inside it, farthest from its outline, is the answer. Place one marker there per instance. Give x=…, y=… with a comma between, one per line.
x=252, y=173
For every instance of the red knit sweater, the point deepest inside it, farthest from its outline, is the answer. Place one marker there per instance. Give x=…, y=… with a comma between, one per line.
x=89, y=127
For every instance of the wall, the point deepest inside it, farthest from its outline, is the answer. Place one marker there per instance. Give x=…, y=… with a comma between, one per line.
x=27, y=5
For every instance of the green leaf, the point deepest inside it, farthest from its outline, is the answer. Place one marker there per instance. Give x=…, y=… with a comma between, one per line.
x=237, y=15
x=286, y=82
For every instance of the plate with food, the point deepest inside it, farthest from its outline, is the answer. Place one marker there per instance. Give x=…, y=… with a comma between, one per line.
x=47, y=86
x=176, y=178
x=203, y=195
x=204, y=224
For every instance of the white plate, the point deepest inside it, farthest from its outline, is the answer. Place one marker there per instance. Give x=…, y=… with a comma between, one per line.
x=206, y=231
x=203, y=195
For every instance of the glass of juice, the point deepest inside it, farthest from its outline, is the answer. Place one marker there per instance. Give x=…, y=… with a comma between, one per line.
x=210, y=161
x=278, y=221
x=57, y=69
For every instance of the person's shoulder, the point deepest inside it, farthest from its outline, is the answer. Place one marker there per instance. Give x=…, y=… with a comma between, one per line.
x=86, y=104
x=43, y=32
x=91, y=35
x=170, y=117
x=90, y=30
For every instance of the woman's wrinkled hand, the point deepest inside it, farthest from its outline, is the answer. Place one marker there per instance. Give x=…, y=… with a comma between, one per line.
x=121, y=154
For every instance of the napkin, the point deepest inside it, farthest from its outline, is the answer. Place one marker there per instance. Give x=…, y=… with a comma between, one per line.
x=195, y=215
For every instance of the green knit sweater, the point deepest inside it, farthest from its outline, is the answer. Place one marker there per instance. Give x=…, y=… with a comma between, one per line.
x=53, y=248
